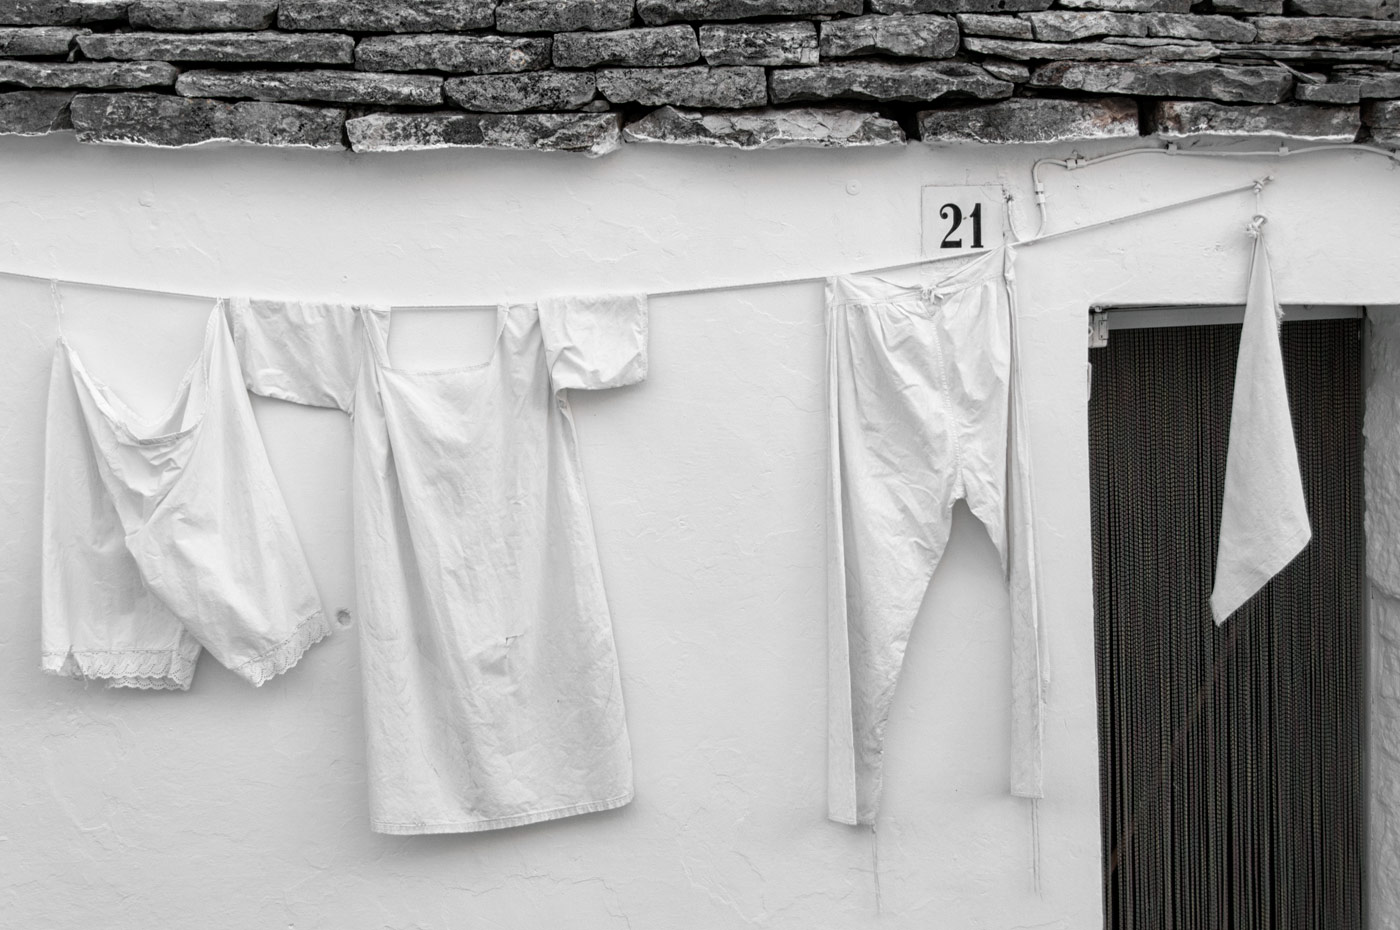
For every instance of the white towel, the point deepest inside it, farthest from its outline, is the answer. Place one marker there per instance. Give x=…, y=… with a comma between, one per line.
x=1264, y=516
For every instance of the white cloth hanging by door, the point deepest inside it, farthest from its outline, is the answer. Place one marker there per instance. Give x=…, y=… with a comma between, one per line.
x=1264, y=515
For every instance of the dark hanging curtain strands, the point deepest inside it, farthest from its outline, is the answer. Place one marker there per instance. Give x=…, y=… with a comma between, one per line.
x=1256, y=185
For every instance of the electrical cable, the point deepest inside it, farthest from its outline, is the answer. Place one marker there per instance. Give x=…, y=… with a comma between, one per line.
x=1170, y=150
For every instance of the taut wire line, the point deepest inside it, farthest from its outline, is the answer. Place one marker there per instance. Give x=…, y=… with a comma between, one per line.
x=1256, y=185
x=808, y=279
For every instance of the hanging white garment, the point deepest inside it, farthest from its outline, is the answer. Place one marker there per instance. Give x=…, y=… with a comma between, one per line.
x=165, y=535
x=492, y=694
x=924, y=411
x=1264, y=515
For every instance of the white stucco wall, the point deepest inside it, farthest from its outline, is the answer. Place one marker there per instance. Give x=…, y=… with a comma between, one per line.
x=234, y=807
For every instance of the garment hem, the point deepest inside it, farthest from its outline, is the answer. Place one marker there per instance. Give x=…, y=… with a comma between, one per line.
x=286, y=654
x=143, y=669
x=500, y=823
x=848, y=819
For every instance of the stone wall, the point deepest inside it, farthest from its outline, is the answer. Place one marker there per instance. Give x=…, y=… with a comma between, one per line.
x=587, y=75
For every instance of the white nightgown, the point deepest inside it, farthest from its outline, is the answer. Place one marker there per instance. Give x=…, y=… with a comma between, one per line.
x=491, y=687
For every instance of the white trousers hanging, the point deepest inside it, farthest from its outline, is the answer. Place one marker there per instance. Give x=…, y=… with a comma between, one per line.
x=923, y=411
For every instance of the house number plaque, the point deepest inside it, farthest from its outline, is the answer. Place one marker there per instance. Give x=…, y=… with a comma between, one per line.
x=962, y=220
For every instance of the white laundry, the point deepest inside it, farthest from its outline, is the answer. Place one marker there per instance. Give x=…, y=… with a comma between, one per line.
x=1263, y=515
x=922, y=413
x=492, y=694
x=165, y=535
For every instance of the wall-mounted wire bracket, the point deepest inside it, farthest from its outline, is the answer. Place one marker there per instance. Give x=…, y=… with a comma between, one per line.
x=1098, y=329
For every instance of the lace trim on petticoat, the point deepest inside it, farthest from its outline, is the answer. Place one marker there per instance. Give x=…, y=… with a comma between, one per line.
x=287, y=653
x=146, y=669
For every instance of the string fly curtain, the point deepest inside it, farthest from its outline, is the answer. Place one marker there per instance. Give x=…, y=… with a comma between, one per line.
x=1231, y=757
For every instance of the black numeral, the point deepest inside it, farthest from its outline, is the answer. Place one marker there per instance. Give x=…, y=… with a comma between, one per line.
x=948, y=241
x=954, y=212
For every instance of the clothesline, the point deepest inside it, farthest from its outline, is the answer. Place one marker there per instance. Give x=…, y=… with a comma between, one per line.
x=1255, y=185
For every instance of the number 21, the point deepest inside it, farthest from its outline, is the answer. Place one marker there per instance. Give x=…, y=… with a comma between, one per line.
x=953, y=211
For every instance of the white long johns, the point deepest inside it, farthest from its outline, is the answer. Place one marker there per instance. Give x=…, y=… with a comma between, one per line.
x=923, y=410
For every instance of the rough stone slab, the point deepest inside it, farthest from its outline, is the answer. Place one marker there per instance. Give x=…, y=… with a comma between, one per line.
x=278, y=47
x=656, y=12
x=590, y=133
x=1267, y=7
x=883, y=80
x=1073, y=25
x=1384, y=114
x=1307, y=53
x=88, y=74
x=386, y=15
x=654, y=47
x=531, y=90
x=1371, y=85
x=317, y=86
x=1032, y=120
x=1012, y=71
x=1327, y=93
x=772, y=44
x=61, y=12
x=698, y=86
x=959, y=6
x=1154, y=43
x=34, y=112
x=1087, y=51
x=155, y=119
x=1000, y=27
x=1291, y=29
x=483, y=54
x=1366, y=9
x=563, y=15
x=1383, y=119
x=37, y=41
x=1176, y=119
x=1131, y=6
x=1225, y=83
x=915, y=35
x=766, y=128
x=202, y=15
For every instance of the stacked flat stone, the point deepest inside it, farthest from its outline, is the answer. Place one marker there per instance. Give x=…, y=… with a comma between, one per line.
x=588, y=75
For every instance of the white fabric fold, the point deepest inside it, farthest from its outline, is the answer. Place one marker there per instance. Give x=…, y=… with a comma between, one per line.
x=1264, y=515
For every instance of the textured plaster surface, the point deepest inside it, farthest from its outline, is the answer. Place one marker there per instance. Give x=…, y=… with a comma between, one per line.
x=1383, y=571
x=229, y=807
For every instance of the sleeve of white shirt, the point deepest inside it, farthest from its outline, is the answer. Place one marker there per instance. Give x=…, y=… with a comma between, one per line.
x=299, y=351
x=595, y=342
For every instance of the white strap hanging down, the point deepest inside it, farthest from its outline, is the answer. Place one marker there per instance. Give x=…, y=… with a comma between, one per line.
x=1264, y=516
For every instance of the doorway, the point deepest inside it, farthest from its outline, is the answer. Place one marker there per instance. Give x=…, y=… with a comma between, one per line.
x=1231, y=758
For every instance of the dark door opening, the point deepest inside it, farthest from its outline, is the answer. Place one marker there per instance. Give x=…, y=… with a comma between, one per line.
x=1231, y=758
